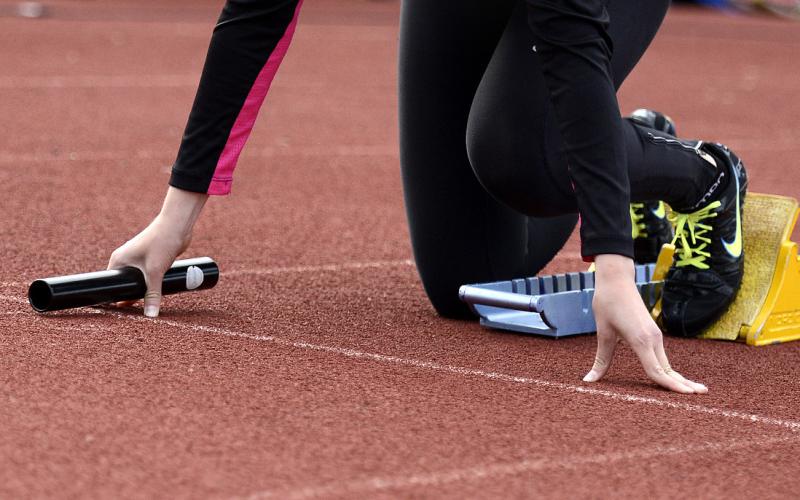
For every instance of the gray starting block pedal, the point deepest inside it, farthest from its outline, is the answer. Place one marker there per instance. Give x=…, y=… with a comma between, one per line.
x=556, y=306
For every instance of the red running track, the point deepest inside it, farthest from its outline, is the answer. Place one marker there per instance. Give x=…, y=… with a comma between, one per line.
x=317, y=369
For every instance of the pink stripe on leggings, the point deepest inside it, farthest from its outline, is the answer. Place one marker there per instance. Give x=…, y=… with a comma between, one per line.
x=223, y=174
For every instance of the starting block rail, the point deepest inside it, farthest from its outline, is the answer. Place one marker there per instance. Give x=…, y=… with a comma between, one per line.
x=556, y=306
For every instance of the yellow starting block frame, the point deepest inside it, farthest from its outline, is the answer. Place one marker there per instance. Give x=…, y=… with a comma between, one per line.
x=779, y=318
x=767, y=307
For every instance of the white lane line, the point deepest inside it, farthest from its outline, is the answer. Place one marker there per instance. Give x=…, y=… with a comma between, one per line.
x=497, y=471
x=12, y=158
x=739, y=40
x=11, y=298
x=119, y=81
x=286, y=270
x=318, y=269
x=547, y=384
x=376, y=484
x=96, y=81
x=469, y=372
x=44, y=156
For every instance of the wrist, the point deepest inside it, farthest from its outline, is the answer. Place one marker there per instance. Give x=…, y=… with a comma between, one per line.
x=613, y=266
x=181, y=209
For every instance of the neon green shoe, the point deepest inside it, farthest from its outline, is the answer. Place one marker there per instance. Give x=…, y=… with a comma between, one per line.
x=709, y=261
x=651, y=229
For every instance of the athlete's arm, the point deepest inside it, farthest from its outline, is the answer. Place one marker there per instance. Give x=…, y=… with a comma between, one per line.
x=574, y=48
x=247, y=46
x=248, y=43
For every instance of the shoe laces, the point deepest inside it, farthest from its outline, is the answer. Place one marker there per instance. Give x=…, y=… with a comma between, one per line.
x=638, y=227
x=690, y=236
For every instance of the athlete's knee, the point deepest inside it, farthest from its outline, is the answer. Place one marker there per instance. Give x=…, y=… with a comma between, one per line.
x=495, y=159
x=478, y=152
x=450, y=306
x=511, y=169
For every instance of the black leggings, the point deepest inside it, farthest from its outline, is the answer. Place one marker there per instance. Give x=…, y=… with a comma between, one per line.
x=500, y=203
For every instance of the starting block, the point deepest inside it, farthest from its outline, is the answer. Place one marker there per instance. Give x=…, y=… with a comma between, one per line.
x=767, y=308
x=556, y=306
x=765, y=311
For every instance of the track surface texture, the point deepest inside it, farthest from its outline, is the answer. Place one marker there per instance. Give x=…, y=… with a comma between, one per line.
x=316, y=368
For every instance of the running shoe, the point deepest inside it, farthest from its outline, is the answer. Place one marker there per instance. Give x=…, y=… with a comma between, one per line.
x=709, y=258
x=651, y=228
x=654, y=119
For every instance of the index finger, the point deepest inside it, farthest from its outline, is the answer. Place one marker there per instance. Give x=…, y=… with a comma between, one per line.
x=647, y=357
x=661, y=355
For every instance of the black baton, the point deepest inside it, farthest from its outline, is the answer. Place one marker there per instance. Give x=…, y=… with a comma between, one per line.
x=103, y=287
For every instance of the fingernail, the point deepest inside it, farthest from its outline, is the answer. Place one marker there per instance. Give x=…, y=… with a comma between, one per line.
x=151, y=311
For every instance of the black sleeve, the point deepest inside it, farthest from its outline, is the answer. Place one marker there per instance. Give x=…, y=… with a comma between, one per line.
x=574, y=48
x=247, y=46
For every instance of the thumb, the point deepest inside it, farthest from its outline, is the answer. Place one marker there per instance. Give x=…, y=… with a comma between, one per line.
x=606, y=345
x=152, y=299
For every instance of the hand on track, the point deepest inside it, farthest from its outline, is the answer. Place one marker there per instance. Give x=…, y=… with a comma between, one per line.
x=620, y=314
x=155, y=248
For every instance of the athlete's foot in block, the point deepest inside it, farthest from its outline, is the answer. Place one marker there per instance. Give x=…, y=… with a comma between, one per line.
x=620, y=315
x=709, y=261
x=651, y=229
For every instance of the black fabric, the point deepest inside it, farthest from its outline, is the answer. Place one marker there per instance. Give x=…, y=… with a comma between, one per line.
x=536, y=123
x=245, y=36
x=459, y=233
x=573, y=48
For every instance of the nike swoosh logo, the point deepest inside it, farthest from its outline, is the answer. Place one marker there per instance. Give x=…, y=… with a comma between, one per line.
x=734, y=248
x=660, y=212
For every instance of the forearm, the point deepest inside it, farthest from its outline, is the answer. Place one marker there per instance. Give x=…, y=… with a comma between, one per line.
x=246, y=48
x=574, y=48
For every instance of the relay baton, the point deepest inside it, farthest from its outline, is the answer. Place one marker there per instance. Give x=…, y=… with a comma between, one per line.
x=128, y=283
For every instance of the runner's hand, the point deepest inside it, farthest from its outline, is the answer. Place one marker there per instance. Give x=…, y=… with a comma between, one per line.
x=155, y=248
x=620, y=314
